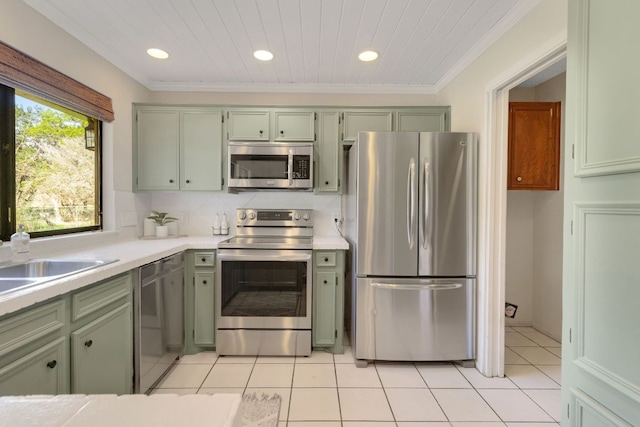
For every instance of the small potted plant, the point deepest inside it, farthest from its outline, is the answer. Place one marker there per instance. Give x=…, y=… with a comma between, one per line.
x=161, y=219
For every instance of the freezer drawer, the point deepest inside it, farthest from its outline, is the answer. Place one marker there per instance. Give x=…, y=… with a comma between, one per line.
x=415, y=319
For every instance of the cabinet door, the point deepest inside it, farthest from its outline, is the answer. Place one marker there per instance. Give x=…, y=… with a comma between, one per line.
x=534, y=146
x=157, y=148
x=204, y=323
x=358, y=121
x=43, y=371
x=101, y=354
x=422, y=121
x=201, y=149
x=294, y=126
x=248, y=125
x=328, y=152
x=324, y=304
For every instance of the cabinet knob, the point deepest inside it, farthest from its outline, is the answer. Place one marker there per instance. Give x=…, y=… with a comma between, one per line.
x=326, y=259
x=203, y=259
x=325, y=282
x=260, y=132
x=188, y=181
x=170, y=181
x=326, y=183
x=52, y=364
x=204, y=282
x=519, y=179
x=88, y=343
x=281, y=132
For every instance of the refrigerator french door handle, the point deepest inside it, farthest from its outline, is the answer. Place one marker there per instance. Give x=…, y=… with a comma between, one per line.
x=425, y=214
x=290, y=168
x=424, y=287
x=411, y=202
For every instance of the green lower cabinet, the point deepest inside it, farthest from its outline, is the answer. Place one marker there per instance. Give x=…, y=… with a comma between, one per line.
x=328, y=301
x=101, y=354
x=204, y=328
x=42, y=371
x=200, y=277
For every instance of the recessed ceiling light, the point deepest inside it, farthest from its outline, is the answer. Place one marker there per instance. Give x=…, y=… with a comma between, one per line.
x=157, y=53
x=263, y=55
x=368, y=55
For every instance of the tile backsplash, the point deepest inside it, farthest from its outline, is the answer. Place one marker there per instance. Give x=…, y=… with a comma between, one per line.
x=196, y=210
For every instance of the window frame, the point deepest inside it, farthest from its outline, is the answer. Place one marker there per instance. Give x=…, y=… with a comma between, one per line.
x=8, y=224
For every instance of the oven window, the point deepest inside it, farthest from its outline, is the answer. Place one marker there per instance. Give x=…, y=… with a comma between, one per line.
x=247, y=166
x=264, y=288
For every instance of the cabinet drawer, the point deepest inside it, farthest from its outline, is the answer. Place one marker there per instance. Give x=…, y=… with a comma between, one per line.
x=29, y=326
x=84, y=303
x=204, y=259
x=326, y=259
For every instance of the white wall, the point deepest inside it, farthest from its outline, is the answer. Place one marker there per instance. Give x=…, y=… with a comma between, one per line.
x=26, y=30
x=533, y=276
x=473, y=96
x=548, y=214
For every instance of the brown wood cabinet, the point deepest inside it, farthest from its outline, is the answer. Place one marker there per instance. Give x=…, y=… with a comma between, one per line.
x=534, y=146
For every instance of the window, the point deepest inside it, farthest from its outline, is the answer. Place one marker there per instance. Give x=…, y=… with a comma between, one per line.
x=50, y=166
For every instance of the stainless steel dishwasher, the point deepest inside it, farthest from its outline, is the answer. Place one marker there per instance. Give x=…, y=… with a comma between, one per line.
x=158, y=320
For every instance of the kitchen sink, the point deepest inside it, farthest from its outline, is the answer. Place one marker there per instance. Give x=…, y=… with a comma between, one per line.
x=32, y=272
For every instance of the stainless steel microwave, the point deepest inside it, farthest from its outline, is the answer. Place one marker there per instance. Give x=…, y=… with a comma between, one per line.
x=270, y=165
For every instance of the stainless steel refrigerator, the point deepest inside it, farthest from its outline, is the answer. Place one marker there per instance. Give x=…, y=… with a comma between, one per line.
x=410, y=217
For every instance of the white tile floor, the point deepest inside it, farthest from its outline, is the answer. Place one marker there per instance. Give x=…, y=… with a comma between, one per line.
x=326, y=390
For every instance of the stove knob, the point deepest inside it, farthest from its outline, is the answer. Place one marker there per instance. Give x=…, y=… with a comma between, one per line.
x=242, y=215
x=252, y=215
x=296, y=216
x=305, y=216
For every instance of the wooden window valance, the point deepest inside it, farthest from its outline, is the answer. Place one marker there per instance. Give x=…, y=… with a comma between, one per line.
x=23, y=72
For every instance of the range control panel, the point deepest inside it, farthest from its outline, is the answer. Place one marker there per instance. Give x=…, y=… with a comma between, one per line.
x=247, y=217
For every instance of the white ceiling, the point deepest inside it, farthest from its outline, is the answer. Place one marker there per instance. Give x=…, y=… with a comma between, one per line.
x=423, y=44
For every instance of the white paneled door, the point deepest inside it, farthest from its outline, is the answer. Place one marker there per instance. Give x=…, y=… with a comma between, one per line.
x=601, y=338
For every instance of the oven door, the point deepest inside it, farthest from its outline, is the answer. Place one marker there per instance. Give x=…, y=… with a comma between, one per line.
x=263, y=289
x=274, y=165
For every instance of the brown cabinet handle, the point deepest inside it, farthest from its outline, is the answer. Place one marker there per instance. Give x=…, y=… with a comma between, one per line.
x=52, y=364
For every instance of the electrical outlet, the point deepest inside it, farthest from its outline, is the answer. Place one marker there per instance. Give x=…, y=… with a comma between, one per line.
x=184, y=217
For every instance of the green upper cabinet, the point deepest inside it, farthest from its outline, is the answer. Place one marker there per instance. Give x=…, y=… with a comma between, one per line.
x=248, y=125
x=365, y=120
x=157, y=148
x=294, y=125
x=431, y=120
x=178, y=148
x=328, y=153
x=201, y=149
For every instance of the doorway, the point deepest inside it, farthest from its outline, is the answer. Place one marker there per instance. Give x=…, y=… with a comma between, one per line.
x=533, y=256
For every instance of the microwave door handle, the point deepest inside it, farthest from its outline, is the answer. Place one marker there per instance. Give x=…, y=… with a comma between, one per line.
x=290, y=168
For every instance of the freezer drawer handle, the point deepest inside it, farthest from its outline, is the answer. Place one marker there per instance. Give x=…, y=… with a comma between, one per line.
x=425, y=287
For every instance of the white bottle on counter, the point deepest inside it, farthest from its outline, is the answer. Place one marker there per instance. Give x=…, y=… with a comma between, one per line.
x=216, y=225
x=20, y=245
x=224, y=227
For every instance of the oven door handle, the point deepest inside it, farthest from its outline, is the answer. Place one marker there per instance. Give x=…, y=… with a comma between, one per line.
x=264, y=257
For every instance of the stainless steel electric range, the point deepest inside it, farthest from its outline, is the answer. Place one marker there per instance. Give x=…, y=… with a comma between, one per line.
x=263, y=284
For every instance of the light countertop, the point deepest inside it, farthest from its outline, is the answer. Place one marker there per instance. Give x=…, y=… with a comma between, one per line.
x=130, y=254
x=218, y=410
